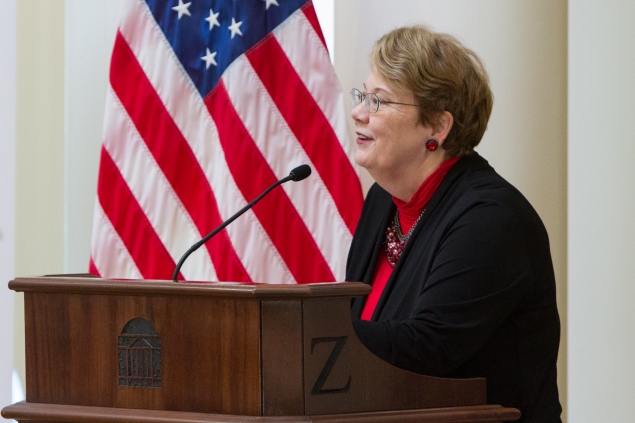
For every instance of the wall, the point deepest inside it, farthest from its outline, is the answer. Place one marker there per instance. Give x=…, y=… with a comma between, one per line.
x=88, y=46
x=7, y=191
x=601, y=210
x=524, y=47
x=39, y=148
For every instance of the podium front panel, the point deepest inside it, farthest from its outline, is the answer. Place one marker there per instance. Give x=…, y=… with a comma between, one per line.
x=75, y=353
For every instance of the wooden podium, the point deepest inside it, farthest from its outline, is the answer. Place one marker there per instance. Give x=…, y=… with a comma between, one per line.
x=102, y=350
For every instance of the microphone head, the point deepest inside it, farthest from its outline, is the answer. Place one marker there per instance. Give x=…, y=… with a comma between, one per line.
x=299, y=173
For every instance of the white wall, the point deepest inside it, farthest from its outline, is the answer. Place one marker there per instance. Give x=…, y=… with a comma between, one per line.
x=39, y=148
x=325, y=11
x=601, y=211
x=88, y=41
x=523, y=44
x=7, y=191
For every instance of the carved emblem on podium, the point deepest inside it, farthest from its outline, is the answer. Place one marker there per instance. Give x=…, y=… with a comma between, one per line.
x=318, y=387
x=139, y=355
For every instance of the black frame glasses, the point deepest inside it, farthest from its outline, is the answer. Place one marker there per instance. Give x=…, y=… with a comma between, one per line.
x=371, y=101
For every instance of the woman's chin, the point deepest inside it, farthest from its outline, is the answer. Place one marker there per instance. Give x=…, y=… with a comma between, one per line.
x=362, y=159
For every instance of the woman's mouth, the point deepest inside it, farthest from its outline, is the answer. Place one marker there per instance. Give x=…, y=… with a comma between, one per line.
x=362, y=137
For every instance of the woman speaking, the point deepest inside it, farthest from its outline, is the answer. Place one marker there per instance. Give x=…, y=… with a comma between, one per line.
x=459, y=261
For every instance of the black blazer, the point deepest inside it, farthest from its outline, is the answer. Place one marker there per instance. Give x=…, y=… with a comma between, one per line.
x=473, y=294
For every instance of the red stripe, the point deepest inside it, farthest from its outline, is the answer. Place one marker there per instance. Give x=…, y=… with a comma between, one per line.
x=92, y=269
x=175, y=157
x=276, y=213
x=309, y=12
x=310, y=126
x=130, y=222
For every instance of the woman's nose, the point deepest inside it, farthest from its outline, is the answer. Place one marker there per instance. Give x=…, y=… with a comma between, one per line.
x=359, y=113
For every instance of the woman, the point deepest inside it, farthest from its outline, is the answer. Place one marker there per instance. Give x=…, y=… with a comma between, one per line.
x=459, y=261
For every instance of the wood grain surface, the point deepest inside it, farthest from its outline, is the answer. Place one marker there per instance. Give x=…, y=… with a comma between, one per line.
x=47, y=413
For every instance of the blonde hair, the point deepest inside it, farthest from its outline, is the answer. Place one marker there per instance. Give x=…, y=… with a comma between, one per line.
x=443, y=75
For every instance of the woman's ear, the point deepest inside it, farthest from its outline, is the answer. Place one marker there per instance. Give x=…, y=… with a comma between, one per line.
x=442, y=126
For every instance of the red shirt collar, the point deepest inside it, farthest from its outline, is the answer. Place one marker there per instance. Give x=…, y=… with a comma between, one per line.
x=411, y=210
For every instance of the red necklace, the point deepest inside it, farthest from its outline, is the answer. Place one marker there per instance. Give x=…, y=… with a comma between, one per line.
x=395, y=240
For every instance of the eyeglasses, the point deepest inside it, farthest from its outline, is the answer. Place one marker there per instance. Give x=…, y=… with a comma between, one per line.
x=371, y=101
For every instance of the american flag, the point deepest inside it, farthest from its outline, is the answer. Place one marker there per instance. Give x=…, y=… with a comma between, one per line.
x=209, y=103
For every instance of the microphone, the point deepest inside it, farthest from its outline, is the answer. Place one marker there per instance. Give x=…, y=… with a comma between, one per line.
x=297, y=174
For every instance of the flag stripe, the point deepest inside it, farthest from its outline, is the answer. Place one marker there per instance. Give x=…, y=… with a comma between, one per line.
x=268, y=130
x=316, y=135
x=172, y=153
x=242, y=154
x=118, y=262
x=92, y=269
x=297, y=37
x=309, y=12
x=153, y=192
x=181, y=99
x=137, y=234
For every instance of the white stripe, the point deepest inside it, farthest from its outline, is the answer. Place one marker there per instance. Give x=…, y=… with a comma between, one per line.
x=282, y=150
x=296, y=37
x=153, y=191
x=180, y=97
x=109, y=254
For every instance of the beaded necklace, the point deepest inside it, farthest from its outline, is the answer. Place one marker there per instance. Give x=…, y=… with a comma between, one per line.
x=395, y=240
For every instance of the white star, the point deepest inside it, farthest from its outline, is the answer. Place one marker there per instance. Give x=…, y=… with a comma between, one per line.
x=183, y=9
x=213, y=19
x=270, y=2
x=209, y=59
x=235, y=28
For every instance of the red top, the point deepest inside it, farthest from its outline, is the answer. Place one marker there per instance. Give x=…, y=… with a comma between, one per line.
x=409, y=212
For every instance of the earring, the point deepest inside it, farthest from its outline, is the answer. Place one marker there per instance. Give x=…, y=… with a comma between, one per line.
x=432, y=144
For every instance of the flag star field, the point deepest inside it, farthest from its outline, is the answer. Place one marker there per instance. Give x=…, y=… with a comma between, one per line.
x=241, y=24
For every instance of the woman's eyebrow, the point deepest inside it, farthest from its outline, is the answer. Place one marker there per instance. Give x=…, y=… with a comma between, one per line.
x=377, y=89
x=381, y=90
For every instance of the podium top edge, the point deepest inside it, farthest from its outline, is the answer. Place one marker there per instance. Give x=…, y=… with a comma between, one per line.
x=92, y=285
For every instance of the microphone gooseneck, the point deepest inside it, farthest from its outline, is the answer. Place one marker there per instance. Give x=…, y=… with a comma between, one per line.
x=297, y=174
